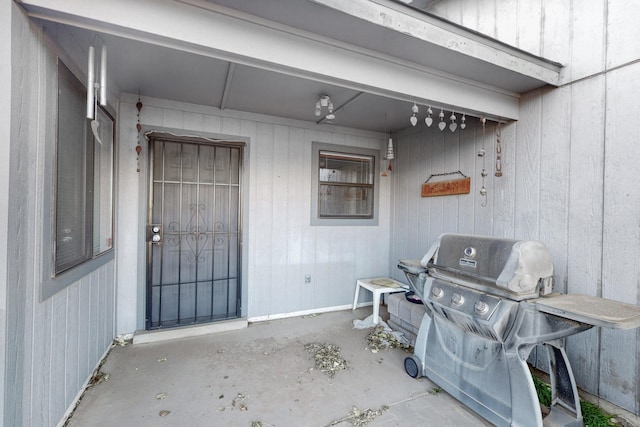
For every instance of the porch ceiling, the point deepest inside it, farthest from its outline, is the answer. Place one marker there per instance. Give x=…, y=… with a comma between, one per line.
x=454, y=78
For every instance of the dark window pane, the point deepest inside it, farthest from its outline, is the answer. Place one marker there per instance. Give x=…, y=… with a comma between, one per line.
x=74, y=175
x=83, y=177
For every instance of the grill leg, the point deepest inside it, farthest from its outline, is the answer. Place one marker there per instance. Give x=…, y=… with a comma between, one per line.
x=565, y=403
x=420, y=348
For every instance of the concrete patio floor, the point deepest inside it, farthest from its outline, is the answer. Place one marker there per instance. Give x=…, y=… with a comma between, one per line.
x=263, y=374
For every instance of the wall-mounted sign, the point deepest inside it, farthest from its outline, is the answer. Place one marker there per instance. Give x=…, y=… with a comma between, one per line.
x=448, y=187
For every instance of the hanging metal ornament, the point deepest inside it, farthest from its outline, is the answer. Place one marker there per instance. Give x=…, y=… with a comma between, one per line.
x=498, y=153
x=442, y=124
x=428, y=120
x=462, y=122
x=414, y=119
x=138, y=128
x=483, y=174
x=453, y=126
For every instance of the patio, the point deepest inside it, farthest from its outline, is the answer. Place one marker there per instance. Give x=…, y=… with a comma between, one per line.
x=263, y=376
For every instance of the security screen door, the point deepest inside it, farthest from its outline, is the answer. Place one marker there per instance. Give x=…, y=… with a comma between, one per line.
x=193, y=234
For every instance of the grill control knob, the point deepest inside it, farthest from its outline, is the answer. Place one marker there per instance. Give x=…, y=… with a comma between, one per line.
x=481, y=307
x=457, y=299
x=437, y=292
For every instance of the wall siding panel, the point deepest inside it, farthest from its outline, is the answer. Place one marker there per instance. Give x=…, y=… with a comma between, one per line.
x=504, y=187
x=588, y=38
x=584, y=250
x=451, y=164
x=554, y=187
x=556, y=19
x=530, y=26
x=622, y=27
x=483, y=218
x=528, y=168
x=279, y=218
x=73, y=381
x=48, y=359
x=466, y=207
x=506, y=15
x=621, y=233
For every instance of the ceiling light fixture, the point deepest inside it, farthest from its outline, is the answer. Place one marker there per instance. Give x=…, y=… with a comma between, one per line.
x=324, y=102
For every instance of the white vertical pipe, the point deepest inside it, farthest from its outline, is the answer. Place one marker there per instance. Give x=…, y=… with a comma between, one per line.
x=90, y=82
x=103, y=76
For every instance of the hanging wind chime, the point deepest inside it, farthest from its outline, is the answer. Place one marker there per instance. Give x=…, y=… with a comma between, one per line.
x=483, y=174
x=138, y=128
x=498, y=153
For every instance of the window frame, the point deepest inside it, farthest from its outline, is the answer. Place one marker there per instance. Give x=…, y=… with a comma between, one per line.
x=342, y=220
x=56, y=279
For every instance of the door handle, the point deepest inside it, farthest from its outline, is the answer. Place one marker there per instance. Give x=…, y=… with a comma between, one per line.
x=154, y=233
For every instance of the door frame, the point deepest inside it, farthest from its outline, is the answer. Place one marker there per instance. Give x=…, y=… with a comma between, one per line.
x=150, y=133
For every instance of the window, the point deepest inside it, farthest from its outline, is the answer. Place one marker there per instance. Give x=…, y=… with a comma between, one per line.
x=344, y=185
x=83, y=219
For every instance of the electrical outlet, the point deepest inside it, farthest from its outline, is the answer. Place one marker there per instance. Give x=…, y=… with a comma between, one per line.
x=307, y=278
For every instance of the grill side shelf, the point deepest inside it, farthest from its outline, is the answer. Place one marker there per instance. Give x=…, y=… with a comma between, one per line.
x=591, y=310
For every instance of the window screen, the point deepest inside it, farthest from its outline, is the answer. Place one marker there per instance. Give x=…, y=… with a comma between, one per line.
x=345, y=185
x=83, y=178
x=73, y=174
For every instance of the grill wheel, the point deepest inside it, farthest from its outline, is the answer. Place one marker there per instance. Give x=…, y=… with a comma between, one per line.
x=412, y=366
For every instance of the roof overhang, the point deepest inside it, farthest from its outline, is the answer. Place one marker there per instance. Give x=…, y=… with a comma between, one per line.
x=245, y=37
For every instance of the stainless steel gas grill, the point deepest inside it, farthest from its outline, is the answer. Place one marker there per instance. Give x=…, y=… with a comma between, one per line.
x=489, y=302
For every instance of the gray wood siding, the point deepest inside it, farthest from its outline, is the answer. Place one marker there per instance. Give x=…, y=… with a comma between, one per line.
x=52, y=345
x=6, y=12
x=569, y=166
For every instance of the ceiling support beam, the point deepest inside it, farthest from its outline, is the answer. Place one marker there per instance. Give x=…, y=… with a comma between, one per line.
x=201, y=27
x=227, y=85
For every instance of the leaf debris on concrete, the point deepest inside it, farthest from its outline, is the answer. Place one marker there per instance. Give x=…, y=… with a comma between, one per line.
x=121, y=341
x=327, y=357
x=381, y=339
x=359, y=417
x=98, y=377
x=236, y=403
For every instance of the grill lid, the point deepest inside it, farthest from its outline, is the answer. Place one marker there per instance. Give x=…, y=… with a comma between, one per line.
x=517, y=269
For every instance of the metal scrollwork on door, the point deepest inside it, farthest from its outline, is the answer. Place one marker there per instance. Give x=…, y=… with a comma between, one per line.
x=196, y=244
x=198, y=220
x=195, y=238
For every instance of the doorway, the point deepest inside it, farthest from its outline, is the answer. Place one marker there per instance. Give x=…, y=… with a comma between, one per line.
x=193, y=231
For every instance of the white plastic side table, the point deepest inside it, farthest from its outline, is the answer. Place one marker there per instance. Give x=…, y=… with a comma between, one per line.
x=377, y=290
